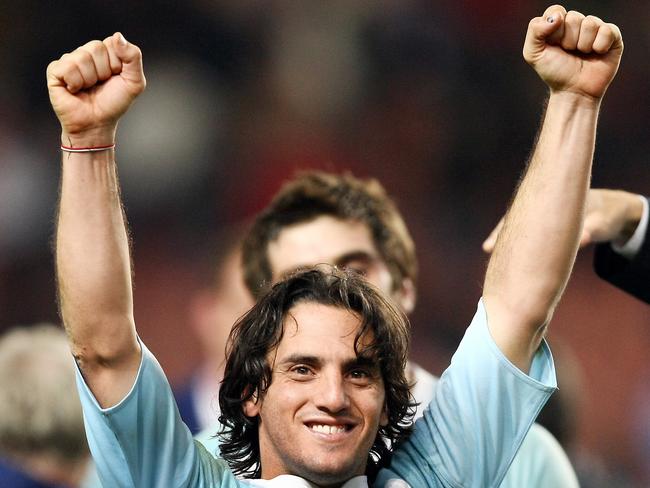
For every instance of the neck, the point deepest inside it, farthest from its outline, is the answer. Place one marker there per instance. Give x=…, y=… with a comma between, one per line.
x=359, y=482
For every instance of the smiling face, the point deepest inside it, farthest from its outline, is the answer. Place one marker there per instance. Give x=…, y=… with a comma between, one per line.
x=342, y=243
x=322, y=411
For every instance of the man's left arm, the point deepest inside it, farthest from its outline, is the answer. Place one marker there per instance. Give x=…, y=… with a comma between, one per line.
x=577, y=57
x=485, y=402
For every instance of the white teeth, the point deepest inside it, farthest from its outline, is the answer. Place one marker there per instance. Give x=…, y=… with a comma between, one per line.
x=328, y=429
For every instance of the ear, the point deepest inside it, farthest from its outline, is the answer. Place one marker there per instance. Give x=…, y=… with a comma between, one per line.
x=405, y=295
x=252, y=407
x=383, y=420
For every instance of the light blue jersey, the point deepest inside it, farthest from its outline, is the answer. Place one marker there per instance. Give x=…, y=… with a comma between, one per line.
x=540, y=462
x=467, y=437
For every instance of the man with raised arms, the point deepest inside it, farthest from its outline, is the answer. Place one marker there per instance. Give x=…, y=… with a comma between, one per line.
x=328, y=396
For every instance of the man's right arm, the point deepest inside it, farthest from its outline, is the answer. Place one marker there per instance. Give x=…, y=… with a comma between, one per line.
x=90, y=88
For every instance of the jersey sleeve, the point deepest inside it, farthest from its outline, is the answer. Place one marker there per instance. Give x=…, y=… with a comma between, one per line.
x=142, y=440
x=482, y=410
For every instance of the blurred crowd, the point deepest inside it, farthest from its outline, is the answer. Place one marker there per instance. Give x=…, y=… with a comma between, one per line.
x=433, y=99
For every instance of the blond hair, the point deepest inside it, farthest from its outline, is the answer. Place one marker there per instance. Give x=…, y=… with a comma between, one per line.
x=40, y=412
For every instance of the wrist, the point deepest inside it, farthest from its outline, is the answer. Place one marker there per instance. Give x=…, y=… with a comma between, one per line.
x=97, y=137
x=633, y=214
x=574, y=99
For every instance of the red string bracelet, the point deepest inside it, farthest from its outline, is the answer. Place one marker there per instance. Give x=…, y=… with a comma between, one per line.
x=87, y=149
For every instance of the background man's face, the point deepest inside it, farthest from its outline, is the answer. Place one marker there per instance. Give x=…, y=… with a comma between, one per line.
x=328, y=240
x=323, y=409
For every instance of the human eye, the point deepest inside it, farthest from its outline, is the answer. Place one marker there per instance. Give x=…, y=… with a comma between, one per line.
x=358, y=264
x=359, y=373
x=360, y=376
x=358, y=268
x=301, y=372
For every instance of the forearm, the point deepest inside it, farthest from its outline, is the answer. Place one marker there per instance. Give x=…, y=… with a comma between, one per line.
x=536, y=249
x=93, y=269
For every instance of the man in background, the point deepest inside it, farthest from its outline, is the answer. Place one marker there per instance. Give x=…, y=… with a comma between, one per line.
x=42, y=438
x=213, y=309
x=624, y=258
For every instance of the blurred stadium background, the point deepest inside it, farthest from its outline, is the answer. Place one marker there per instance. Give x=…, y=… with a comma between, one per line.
x=432, y=98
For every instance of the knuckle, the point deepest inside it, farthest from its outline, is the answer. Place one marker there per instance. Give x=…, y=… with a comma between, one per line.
x=575, y=15
x=86, y=55
x=95, y=47
x=606, y=33
x=82, y=55
x=66, y=65
x=556, y=7
x=70, y=72
x=73, y=80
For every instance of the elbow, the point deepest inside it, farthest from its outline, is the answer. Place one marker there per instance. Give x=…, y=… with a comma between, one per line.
x=531, y=312
x=104, y=344
x=529, y=301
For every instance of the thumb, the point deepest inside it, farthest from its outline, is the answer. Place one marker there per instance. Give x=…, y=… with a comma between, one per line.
x=131, y=57
x=592, y=230
x=490, y=242
x=544, y=30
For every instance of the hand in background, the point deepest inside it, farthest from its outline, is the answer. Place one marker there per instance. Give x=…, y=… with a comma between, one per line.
x=611, y=216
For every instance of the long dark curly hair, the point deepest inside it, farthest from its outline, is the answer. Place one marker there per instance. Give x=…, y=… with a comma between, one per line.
x=248, y=373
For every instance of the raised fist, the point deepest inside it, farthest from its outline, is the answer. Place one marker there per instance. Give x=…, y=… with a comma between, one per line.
x=573, y=53
x=91, y=87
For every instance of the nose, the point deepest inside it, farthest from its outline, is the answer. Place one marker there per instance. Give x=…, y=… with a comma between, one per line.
x=332, y=394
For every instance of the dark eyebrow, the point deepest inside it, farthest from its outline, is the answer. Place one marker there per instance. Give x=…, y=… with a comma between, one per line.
x=359, y=361
x=339, y=262
x=362, y=361
x=302, y=359
x=346, y=258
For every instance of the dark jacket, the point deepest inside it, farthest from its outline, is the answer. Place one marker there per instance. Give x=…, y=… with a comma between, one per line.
x=632, y=276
